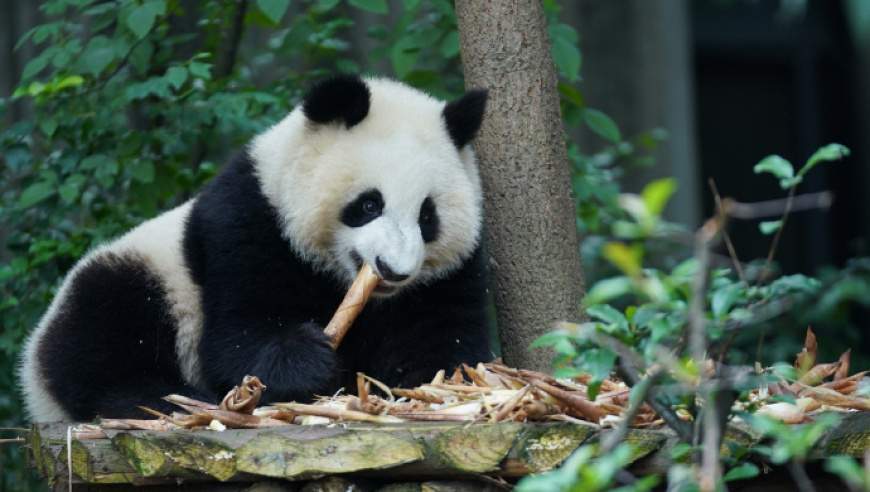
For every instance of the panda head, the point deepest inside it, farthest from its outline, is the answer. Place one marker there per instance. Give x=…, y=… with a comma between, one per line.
x=373, y=170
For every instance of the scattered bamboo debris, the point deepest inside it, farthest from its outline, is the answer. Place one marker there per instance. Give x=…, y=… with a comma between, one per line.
x=494, y=392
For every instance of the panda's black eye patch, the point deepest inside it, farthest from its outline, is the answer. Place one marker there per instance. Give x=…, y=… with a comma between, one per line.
x=428, y=221
x=366, y=207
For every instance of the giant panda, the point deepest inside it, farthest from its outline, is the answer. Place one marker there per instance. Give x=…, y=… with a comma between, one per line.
x=243, y=278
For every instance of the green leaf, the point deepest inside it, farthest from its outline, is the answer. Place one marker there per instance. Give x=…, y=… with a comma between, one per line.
x=92, y=162
x=571, y=94
x=48, y=126
x=70, y=81
x=789, y=182
x=849, y=470
x=567, y=58
x=34, y=66
x=608, y=289
x=687, y=268
x=140, y=57
x=565, y=348
x=97, y=60
x=68, y=192
x=609, y=315
x=623, y=257
x=775, y=165
x=274, y=9
x=830, y=152
x=770, y=226
x=563, y=40
x=740, y=314
x=741, y=472
x=599, y=362
x=141, y=19
x=106, y=172
x=23, y=39
x=403, y=59
x=601, y=124
x=450, y=45
x=9, y=302
x=627, y=230
x=325, y=5
x=176, y=76
x=444, y=7
x=35, y=193
x=550, y=338
x=656, y=195
x=376, y=6
x=142, y=171
x=17, y=156
x=200, y=69
x=724, y=298
x=796, y=283
x=567, y=372
x=98, y=55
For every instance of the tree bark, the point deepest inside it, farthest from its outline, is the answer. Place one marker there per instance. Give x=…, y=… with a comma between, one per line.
x=530, y=218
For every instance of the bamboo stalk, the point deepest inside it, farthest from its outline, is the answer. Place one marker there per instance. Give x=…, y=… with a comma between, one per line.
x=353, y=303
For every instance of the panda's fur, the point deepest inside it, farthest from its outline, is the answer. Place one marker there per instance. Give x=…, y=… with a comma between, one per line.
x=242, y=278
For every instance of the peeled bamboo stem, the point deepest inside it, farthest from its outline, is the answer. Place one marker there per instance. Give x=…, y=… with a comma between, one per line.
x=353, y=303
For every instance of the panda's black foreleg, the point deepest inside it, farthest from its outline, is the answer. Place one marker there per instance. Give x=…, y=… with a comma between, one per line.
x=295, y=361
x=408, y=348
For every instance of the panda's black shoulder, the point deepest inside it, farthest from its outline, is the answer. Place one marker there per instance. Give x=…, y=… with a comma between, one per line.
x=230, y=205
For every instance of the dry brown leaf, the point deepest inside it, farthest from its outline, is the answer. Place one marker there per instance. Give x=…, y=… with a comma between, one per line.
x=786, y=412
x=818, y=374
x=843, y=370
x=808, y=357
x=831, y=397
x=847, y=385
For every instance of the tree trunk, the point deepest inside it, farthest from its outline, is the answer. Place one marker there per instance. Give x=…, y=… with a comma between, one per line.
x=530, y=222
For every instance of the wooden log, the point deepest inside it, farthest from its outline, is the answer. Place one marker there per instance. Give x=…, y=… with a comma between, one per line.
x=418, y=450
x=395, y=452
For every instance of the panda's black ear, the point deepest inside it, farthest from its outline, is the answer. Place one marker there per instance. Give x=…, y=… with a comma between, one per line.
x=342, y=97
x=464, y=116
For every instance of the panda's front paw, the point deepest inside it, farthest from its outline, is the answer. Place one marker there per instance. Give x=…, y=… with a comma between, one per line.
x=316, y=350
x=305, y=367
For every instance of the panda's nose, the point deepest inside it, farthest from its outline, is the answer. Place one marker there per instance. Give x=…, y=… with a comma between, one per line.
x=387, y=273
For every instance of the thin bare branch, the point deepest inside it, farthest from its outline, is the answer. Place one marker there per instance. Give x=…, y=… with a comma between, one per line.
x=720, y=210
x=774, y=208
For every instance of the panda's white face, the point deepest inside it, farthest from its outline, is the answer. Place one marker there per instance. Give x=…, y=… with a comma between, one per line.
x=392, y=190
x=393, y=216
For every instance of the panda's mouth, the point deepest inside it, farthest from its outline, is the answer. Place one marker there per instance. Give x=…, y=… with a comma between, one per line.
x=384, y=287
